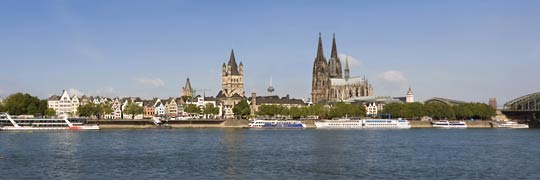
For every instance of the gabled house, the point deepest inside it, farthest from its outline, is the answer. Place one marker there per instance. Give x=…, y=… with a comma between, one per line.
x=171, y=108
x=159, y=108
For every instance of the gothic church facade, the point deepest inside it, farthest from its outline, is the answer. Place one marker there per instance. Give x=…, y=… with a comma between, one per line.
x=330, y=84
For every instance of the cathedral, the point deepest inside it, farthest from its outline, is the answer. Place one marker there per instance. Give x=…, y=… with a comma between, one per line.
x=330, y=84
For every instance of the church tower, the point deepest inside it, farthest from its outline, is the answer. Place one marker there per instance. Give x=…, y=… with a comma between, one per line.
x=410, y=96
x=187, y=90
x=320, y=83
x=232, y=78
x=335, y=64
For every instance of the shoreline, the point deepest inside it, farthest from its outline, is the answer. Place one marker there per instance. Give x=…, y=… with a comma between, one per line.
x=235, y=123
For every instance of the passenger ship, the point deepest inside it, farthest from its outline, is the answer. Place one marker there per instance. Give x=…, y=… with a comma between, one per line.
x=9, y=124
x=276, y=124
x=364, y=123
x=510, y=124
x=448, y=124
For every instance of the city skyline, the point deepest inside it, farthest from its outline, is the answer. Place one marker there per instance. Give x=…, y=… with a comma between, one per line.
x=465, y=50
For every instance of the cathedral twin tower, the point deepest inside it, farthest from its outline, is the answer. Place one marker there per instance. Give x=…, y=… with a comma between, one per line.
x=329, y=83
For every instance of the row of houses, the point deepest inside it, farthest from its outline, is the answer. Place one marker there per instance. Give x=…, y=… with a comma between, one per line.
x=66, y=105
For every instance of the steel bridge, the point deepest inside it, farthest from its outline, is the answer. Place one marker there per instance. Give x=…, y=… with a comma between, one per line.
x=525, y=108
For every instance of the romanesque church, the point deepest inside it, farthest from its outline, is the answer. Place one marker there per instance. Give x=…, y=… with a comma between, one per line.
x=330, y=84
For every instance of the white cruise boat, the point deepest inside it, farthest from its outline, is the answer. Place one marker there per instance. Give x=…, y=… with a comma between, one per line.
x=448, y=124
x=364, y=124
x=9, y=124
x=386, y=124
x=510, y=124
x=344, y=123
x=276, y=124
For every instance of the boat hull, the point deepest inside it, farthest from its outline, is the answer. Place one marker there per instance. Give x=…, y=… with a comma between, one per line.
x=73, y=128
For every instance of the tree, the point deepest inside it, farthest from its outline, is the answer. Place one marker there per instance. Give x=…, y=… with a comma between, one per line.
x=133, y=109
x=104, y=108
x=209, y=109
x=87, y=110
x=341, y=110
x=19, y=103
x=192, y=108
x=316, y=110
x=49, y=112
x=241, y=109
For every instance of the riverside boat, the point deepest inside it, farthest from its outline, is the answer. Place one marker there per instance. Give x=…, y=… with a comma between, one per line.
x=9, y=124
x=364, y=124
x=510, y=124
x=276, y=124
x=344, y=123
x=386, y=124
x=448, y=124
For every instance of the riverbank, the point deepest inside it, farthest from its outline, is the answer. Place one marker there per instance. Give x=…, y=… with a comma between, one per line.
x=232, y=123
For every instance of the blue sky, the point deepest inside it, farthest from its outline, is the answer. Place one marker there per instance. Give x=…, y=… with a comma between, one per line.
x=468, y=50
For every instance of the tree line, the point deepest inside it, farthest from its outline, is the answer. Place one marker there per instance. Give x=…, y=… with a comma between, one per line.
x=25, y=104
x=440, y=111
x=335, y=111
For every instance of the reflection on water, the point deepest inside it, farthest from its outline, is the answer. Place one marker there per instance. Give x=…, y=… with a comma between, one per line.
x=271, y=154
x=232, y=140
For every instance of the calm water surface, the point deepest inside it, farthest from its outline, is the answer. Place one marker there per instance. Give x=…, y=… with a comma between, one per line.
x=271, y=154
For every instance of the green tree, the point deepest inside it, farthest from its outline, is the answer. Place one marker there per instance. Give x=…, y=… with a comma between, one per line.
x=241, y=109
x=19, y=103
x=103, y=109
x=87, y=110
x=210, y=109
x=316, y=110
x=192, y=109
x=341, y=110
x=133, y=109
x=49, y=112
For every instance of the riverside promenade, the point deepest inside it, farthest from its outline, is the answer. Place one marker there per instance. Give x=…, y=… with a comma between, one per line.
x=230, y=123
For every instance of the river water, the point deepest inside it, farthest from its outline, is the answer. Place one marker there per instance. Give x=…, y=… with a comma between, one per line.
x=271, y=154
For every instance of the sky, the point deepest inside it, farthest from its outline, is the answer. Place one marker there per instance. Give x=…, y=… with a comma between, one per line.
x=468, y=50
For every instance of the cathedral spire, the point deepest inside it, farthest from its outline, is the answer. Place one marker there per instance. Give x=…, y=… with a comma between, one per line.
x=320, y=54
x=347, y=71
x=334, y=48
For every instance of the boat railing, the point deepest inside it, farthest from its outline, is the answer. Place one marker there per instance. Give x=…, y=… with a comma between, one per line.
x=10, y=119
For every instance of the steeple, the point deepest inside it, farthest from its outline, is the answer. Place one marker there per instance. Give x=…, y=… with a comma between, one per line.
x=335, y=63
x=334, y=48
x=188, y=84
x=233, y=67
x=320, y=54
x=347, y=70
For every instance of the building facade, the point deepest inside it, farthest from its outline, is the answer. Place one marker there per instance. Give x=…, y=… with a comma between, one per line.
x=64, y=105
x=328, y=82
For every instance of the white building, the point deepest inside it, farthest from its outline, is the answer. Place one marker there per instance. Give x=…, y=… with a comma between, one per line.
x=159, y=108
x=64, y=105
x=410, y=96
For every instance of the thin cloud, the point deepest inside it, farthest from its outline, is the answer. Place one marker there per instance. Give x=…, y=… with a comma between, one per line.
x=75, y=92
x=145, y=81
x=393, y=77
x=107, y=92
x=353, y=62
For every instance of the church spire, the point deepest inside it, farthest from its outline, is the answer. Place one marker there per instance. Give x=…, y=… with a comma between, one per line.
x=347, y=71
x=320, y=54
x=233, y=67
x=334, y=48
